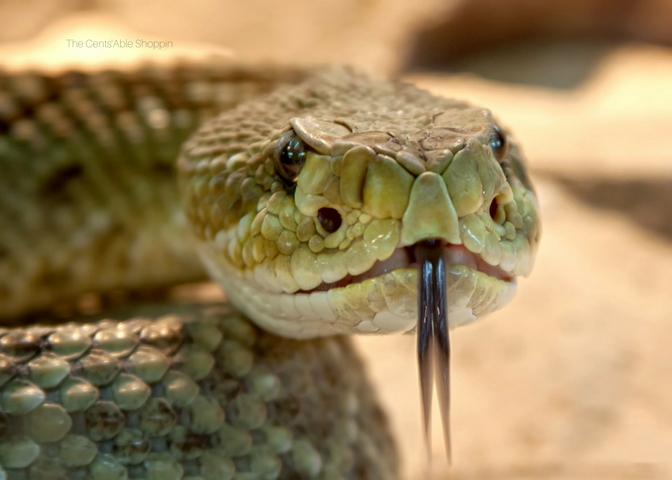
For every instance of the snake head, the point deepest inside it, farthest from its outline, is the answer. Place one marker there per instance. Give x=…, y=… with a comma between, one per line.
x=351, y=206
x=307, y=205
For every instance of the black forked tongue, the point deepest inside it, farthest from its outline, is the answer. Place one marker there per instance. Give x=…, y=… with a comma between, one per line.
x=432, y=330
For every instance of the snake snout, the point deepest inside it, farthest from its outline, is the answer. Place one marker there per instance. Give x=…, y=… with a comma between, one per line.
x=430, y=213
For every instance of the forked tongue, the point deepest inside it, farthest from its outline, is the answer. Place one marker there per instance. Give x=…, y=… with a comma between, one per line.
x=432, y=330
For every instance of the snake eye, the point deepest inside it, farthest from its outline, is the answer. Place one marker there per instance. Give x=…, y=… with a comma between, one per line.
x=330, y=219
x=498, y=143
x=289, y=157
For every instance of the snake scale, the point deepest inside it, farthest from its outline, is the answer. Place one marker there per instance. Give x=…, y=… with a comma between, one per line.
x=308, y=194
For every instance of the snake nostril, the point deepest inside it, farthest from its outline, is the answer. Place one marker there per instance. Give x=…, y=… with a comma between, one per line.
x=493, y=208
x=497, y=214
x=330, y=219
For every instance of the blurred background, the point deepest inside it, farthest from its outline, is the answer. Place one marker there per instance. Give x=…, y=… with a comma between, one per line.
x=574, y=379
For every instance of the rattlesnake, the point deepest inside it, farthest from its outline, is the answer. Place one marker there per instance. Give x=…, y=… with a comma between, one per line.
x=307, y=192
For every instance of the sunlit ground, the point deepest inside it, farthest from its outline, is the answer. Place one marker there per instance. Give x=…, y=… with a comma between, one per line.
x=572, y=380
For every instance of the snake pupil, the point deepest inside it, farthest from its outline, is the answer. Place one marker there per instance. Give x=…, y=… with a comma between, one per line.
x=289, y=157
x=499, y=144
x=330, y=219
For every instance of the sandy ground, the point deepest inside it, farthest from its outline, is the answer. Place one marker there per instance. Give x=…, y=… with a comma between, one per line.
x=571, y=380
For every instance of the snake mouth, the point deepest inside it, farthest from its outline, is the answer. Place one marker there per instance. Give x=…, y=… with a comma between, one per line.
x=381, y=299
x=404, y=258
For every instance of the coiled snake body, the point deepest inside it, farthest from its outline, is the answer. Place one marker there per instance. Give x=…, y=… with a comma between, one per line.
x=307, y=193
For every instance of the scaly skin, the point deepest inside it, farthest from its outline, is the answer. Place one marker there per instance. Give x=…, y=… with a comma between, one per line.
x=87, y=188
x=185, y=392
